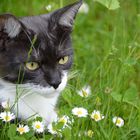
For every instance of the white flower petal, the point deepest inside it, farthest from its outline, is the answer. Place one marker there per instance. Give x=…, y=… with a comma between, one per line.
x=84, y=8
x=7, y=116
x=85, y=91
x=5, y=104
x=23, y=129
x=118, y=121
x=49, y=7
x=38, y=126
x=79, y=112
x=51, y=129
x=97, y=116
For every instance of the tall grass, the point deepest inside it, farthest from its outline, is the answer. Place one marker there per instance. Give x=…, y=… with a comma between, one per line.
x=107, y=51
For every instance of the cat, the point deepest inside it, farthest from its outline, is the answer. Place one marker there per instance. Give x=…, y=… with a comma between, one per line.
x=35, y=57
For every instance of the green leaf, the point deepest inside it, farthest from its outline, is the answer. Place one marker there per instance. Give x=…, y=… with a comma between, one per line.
x=48, y=137
x=131, y=96
x=18, y=138
x=29, y=135
x=12, y=131
x=116, y=96
x=110, y=4
x=130, y=61
x=34, y=138
x=67, y=133
x=38, y=119
x=59, y=125
x=66, y=95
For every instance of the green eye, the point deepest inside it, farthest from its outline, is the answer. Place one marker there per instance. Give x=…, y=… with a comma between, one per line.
x=63, y=60
x=32, y=66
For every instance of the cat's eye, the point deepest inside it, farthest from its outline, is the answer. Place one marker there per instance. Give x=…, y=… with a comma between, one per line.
x=63, y=60
x=32, y=65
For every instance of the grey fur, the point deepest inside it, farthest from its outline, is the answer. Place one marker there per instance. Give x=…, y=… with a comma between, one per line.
x=12, y=27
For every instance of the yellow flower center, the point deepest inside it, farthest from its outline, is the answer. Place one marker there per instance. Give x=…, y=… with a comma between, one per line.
x=118, y=121
x=84, y=93
x=96, y=116
x=38, y=126
x=79, y=112
x=21, y=130
x=62, y=120
x=7, y=118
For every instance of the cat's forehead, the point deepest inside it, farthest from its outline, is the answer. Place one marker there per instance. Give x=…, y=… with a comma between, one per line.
x=48, y=49
x=36, y=24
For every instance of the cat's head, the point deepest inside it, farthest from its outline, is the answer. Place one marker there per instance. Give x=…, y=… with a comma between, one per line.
x=37, y=50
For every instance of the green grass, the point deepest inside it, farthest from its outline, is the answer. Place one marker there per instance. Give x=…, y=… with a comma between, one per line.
x=107, y=52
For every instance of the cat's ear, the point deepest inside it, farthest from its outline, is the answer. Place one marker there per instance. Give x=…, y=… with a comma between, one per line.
x=68, y=14
x=65, y=16
x=10, y=25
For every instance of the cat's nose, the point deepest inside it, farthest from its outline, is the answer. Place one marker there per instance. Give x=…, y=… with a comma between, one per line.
x=53, y=78
x=55, y=84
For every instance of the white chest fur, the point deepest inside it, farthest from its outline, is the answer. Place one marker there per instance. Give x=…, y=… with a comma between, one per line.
x=32, y=101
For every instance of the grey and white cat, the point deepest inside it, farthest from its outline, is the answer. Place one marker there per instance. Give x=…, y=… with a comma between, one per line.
x=35, y=56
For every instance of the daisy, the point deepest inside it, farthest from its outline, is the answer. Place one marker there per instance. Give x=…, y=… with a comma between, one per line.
x=85, y=91
x=48, y=7
x=5, y=104
x=97, y=116
x=118, y=121
x=51, y=129
x=79, y=112
x=64, y=119
x=23, y=129
x=7, y=116
x=84, y=8
x=38, y=126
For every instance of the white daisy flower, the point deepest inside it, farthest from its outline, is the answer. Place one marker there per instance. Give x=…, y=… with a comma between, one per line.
x=64, y=119
x=79, y=112
x=118, y=121
x=51, y=129
x=48, y=7
x=38, y=126
x=5, y=104
x=23, y=129
x=7, y=116
x=85, y=91
x=97, y=116
x=84, y=8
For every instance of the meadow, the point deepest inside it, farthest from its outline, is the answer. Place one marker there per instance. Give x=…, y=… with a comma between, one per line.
x=105, y=76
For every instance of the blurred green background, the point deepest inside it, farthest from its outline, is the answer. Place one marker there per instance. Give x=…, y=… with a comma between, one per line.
x=107, y=54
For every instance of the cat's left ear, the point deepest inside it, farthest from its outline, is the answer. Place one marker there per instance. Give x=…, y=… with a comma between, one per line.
x=65, y=16
x=10, y=25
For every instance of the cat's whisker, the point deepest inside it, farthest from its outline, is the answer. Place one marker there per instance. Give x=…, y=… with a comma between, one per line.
x=28, y=93
x=4, y=76
x=38, y=50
